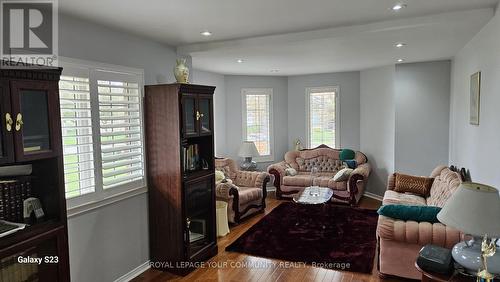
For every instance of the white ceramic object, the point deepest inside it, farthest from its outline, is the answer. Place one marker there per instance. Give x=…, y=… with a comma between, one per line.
x=181, y=71
x=469, y=256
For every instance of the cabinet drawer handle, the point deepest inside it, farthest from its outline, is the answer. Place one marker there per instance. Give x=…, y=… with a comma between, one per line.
x=198, y=115
x=8, y=122
x=19, y=121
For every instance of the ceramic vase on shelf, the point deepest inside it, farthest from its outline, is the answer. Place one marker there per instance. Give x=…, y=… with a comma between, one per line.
x=181, y=71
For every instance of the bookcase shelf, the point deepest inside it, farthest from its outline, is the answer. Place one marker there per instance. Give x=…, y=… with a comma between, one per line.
x=30, y=134
x=180, y=156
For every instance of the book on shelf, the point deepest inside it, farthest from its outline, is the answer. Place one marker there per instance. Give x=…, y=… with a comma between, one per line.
x=190, y=157
x=12, y=194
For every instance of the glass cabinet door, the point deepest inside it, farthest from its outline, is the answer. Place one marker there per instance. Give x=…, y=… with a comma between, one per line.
x=35, y=114
x=6, y=128
x=199, y=214
x=205, y=114
x=189, y=115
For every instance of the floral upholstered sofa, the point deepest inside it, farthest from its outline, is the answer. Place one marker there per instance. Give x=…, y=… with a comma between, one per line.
x=328, y=163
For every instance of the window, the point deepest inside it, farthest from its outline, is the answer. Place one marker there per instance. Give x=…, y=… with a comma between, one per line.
x=257, y=120
x=101, y=112
x=322, y=116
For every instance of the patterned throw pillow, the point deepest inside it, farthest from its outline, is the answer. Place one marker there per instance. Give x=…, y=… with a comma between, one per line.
x=413, y=184
x=290, y=171
x=342, y=175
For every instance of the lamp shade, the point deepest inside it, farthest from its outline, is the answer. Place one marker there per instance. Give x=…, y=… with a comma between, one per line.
x=473, y=209
x=248, y=149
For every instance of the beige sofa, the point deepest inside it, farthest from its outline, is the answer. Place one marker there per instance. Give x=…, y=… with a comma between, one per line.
x=328, y=162
x=245, y=193
x=400, y=241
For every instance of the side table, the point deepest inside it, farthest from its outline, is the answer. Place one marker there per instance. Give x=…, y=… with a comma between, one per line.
x=428, y=276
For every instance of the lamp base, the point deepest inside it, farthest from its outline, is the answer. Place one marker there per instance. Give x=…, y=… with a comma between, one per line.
x=248, y=164
x=468, y=255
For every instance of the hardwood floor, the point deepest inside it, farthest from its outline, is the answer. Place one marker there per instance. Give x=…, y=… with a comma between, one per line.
x=269, y=271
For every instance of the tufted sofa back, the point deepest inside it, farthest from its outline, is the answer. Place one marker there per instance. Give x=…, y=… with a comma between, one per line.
x=227, y=166
x=445, y=184
x=325, y=159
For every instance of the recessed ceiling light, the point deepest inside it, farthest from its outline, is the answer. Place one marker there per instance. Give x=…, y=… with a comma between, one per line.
x=206, y=33
x=275, y=70
x=400, y=60
x=398, y=7
x=240, y=61
x=400, y=45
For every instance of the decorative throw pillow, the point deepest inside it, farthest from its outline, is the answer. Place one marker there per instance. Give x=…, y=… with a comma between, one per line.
x=415, y=213
x=290, y=171
x=413, y=184
x=351, y=163
x=342, y=175
x=219, y=176
x=347, y=154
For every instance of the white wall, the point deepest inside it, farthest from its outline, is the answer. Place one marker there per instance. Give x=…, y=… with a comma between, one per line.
x=377, y=124
x=234, y=134
x=110, y=241
x=477, y=147
x=348, y=82
x=217, y=80
x=422, y=116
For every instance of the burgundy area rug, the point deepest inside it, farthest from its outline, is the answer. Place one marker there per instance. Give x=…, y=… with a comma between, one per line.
x=295, y=232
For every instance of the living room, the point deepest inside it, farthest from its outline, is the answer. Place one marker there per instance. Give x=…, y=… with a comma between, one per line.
x=398, y=96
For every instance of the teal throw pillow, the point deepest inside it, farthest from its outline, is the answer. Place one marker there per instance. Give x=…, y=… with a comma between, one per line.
x=347, y=154
x=415, y=213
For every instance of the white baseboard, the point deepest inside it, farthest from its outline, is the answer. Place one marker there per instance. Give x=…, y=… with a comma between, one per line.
x=374, y=196
x=134, y=272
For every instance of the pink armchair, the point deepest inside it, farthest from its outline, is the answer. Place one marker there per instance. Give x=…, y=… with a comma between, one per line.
x=328, y=162
x=245, y=192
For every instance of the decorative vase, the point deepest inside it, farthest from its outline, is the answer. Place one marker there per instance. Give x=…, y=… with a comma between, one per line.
x=181, y=71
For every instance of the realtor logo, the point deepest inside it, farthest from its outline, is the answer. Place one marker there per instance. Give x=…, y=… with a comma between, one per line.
x=28, y=33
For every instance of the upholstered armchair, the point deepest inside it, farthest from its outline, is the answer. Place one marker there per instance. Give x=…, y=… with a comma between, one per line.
x=244, y=191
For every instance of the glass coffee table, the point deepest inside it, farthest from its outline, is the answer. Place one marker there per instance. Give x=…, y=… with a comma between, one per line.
x=313, y=195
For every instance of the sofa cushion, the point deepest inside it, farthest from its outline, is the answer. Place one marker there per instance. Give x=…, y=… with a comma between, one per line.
x=395, y=198
x=415, y=213
x=445, y=184
x=413, y=184
x=298, y=180
x=326, y=181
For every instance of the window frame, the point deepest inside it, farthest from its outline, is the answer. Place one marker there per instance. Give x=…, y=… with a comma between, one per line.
x=320, y=89
x=258, y=91
x=101, y=196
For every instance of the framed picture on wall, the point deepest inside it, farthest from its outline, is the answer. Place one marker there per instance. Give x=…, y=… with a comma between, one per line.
x=475, y=92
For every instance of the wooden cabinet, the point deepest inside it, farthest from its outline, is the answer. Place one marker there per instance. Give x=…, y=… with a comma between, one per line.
x=181, y=181
x=30, y=133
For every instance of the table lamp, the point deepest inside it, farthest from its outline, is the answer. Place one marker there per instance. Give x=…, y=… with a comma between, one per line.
x=474, y=209
x=247, y=151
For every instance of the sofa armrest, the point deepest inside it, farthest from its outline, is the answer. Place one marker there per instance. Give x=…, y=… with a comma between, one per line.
x=225, y=190
x=391, y=181
x=251, y=178
x=420, y=233
x=278, y=171
x=361, y=173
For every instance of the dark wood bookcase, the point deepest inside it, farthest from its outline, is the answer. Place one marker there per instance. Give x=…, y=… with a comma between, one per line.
x=180, y=162
x=30, y=131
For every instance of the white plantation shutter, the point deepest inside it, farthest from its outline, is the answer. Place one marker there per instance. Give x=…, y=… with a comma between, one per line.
x=120, y=128
x=101, y=117
x=74, y=91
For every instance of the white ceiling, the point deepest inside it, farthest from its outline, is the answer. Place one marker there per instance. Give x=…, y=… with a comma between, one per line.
x=343, y=34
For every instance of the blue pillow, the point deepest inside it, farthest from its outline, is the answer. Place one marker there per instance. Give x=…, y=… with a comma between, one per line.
x=351, y=163
x=415, y=213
